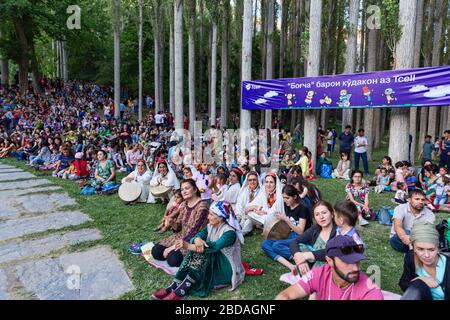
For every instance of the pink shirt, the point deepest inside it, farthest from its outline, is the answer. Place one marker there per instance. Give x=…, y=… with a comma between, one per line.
x=320, y=280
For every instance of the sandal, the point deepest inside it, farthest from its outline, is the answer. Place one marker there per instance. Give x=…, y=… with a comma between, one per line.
x=135, y=248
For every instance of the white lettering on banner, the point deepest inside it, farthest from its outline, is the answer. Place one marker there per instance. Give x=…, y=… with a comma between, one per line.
x=385, y=80
x=294, y=85
x=328, y=84
x=408, y=78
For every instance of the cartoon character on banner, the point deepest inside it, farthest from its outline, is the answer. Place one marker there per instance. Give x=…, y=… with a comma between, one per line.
x=289, y=97
x=389, y=93
x=344, y=99
x=367, y=95
x=309, y=98
x=327, y=100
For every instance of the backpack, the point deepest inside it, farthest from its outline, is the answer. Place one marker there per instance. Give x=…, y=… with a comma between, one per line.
x=384, y=216
x=326, y=171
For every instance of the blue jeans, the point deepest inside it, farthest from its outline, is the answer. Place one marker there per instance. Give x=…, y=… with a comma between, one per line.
x=19, y=155
x=398, y=245
x=364, y=160
x=278, y=248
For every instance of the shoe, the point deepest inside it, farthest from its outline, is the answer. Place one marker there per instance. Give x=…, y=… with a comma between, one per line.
x=171, y=296
x=160, y=294
x=363, y=222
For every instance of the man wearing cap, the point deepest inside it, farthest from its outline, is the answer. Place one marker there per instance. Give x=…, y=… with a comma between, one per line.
x=339, y=279
x=405, y=215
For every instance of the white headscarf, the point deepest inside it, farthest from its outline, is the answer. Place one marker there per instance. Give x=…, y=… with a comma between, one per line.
x=261, y=199
x=172, y=180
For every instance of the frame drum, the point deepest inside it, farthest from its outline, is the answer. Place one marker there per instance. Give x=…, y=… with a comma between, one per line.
x=276, y=230
x=130, y=191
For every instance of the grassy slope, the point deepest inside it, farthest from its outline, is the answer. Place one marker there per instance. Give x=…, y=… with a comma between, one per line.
x=121, y=225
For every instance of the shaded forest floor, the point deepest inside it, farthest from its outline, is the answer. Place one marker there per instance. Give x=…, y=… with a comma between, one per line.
x=122, y=225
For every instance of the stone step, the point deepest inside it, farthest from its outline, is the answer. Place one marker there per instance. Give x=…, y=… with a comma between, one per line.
x=15, y=207
x=6, y=166
x=22, y=184
x=16, y=176
x=90, y=275
x=27, y=249
x=4, y=295
x=5, y=194
x=11, y=229
x=2, y=171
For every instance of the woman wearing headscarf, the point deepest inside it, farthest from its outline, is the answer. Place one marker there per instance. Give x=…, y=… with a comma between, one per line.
x=247, y=194
x=142, y=176
x=213, y=258
x=163, y=176
x=268, y=202
x=192, y=217
x=426, y=272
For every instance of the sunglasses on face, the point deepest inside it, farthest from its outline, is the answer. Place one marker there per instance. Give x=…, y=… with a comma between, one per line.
x=346, y=250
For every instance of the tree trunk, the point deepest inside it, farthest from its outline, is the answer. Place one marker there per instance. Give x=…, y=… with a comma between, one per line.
x=417, y=49
x=370, y=126
x=178, y=57
x=283, y=35
x=269, y=52
x=225, y=87
x=161, y=60
x=435, y=59
x=171, y=70
x=297, y=50
x=350, y=56
x=116, y=8
x=429, y=33
x=213, y=73
x=192, y=17
x=363, y=38
x=141, y=5
x=399, y=121
x=315, y=27
x=201, y=59
x=246, y=56
x=19, y=24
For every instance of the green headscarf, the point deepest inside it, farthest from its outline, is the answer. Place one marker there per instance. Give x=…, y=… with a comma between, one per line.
x=424, y=232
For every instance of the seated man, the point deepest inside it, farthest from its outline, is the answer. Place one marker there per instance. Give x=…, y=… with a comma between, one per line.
x=405, y=215
x=340, y=279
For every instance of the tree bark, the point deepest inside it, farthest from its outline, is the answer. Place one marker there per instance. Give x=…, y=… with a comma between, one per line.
x=19, y=24
x=141, y=5
x=201, y=58
x=171, y=70
x=116, y=10
x=350, y=56
x=246, y=56
x=370, y=126
x=315, y=27
x=191, y=53
x=414, y=111
x=269, y=52
x=399, y=121
x=178, y=57
x=225, y=87
x=213, y=73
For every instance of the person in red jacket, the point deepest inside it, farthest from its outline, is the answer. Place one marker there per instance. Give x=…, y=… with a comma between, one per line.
x=81, y=167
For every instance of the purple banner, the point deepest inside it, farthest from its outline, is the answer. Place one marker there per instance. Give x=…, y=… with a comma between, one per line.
x=383, y=89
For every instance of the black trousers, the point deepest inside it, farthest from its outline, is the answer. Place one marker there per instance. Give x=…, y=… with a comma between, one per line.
x=418, y=290
x=174, y=258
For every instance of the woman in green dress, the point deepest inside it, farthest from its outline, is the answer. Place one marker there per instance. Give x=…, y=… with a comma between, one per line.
x=104, y=173
x=213, y=258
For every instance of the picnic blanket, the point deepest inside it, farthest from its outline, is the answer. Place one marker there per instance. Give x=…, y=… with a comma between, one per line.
x=291, y=279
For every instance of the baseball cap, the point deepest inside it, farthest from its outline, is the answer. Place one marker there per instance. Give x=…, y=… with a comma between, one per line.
x=346, y=249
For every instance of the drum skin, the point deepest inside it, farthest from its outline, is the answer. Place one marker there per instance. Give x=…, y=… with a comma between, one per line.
x=130, y=191
x=160, y=191
x=276, y=230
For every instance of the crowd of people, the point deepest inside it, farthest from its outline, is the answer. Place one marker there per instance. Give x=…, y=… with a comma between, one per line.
x=69, y=130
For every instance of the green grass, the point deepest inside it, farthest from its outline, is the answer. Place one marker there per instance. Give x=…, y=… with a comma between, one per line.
x=121, y=225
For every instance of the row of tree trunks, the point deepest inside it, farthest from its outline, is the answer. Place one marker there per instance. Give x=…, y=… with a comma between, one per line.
x=140, y=21
x=116, y=26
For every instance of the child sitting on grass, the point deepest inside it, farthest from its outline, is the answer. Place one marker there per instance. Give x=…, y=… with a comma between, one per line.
x=383, y=181
x=402, y=191
x=345, y=217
